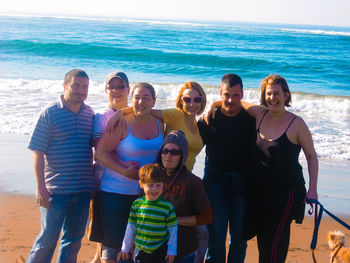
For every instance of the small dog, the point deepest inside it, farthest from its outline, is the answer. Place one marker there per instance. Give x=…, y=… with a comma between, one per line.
x=339, y=253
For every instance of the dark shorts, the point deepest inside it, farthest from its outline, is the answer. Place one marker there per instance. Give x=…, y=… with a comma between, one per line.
x=158, y=256
x=115, y=209
x=95, y=228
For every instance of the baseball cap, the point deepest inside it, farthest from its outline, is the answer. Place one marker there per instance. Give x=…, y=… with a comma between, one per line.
x=117, y=74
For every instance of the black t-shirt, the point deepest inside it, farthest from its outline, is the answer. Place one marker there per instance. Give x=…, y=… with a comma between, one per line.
x=230, y=141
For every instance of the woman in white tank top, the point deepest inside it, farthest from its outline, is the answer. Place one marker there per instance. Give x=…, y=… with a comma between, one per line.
x=136, y=141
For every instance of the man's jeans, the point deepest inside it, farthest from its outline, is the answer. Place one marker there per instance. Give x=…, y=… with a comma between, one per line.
x=68, y=212
x=228, y=210
x=187, y=259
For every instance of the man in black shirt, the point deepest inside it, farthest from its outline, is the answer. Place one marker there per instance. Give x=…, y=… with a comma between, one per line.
x=229, y=138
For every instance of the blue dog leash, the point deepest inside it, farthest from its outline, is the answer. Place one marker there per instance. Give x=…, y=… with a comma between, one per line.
x=318, y=217
x=318, y=221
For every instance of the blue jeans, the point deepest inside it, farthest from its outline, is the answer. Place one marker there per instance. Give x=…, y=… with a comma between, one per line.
x=188, y=259
x=202, y=236
x=68, y=212
x=228, y=210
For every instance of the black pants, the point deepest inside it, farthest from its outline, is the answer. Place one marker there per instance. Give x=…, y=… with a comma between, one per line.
x=158, y=256
x=276, y=210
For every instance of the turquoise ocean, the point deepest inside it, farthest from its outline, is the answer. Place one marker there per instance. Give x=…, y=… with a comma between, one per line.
x=36, y=52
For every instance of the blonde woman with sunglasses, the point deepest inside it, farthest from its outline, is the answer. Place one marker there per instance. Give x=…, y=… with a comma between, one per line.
x=190, y=102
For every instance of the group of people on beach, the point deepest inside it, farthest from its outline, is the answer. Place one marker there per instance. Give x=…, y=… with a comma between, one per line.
x=147, y=205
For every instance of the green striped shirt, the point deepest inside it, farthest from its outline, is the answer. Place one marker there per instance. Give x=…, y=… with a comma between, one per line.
x=153, y=220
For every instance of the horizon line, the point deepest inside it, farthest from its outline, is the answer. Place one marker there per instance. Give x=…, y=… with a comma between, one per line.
x=145, y=19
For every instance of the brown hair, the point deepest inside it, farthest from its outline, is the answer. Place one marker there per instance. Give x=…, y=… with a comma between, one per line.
x=74, y=73
x=275, y=80
x=151, y=173
x=144, y=85
x=231, y=80
x=198, y=88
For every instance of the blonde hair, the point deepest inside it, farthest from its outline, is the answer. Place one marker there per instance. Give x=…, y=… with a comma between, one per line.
x=198, y=88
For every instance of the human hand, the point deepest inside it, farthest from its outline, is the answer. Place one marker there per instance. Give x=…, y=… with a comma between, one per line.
x=205, y=118
x=114, y=122
x=312, y=194
x=42, y=197
x=169, y=258
x=129, y=163
x=123, y=255
x=133, y=171
x=211, y=112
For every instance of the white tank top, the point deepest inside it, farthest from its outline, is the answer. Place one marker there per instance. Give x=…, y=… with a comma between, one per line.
x=143, y=151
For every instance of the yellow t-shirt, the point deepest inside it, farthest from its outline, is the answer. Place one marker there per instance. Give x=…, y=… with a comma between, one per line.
x=175, y=120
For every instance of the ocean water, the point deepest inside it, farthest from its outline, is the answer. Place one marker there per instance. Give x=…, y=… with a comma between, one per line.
x=36, y=52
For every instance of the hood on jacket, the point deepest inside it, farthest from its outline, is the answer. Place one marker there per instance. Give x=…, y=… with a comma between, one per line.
x=176, y=137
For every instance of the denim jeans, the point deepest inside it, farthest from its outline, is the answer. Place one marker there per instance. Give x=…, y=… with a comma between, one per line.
x=228, y=210
x=69, y=213
x=202, y=236
x=188, y=259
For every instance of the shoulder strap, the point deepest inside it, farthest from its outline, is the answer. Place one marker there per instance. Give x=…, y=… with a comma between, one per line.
x=291, y=123
x=258, y=129
x=128, y=127
x=159, y=130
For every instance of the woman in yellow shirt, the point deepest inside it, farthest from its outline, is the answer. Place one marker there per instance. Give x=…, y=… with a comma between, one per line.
x=190, y=102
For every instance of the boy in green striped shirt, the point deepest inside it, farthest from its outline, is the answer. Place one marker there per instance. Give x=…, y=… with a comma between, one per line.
x=152, y=224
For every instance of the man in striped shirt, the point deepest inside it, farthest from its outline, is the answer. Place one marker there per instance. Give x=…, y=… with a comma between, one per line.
x=152, y=222
x=61, y=143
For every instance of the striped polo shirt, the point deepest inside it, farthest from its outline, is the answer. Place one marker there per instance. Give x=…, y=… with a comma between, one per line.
x=152, y=219
x=65, y=139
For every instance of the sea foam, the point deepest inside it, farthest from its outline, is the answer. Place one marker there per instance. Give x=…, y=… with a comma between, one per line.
x=326, y=116
x=317, y=32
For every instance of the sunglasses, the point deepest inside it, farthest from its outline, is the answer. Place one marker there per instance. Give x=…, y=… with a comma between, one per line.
x=173, y=152
x=195, y=100
x=116, y=88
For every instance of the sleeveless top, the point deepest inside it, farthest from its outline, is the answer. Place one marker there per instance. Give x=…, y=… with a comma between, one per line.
x=131, y=148
x=277, y=162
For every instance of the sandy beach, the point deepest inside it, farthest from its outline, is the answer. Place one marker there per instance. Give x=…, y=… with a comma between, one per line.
x=20, y=223
x=20, y=216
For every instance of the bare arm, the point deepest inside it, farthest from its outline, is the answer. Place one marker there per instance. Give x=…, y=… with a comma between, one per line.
x=211, y=111
x=105, y=152
x=253, y=109
x=157, y=114
x=42, y=195
x=114, y=121
x=305, y=141
x=115, y=156
x=126, y=110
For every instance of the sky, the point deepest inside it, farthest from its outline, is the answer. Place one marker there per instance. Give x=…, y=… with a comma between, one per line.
x=309, y=12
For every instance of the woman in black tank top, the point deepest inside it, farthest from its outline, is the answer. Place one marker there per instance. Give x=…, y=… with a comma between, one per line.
x=279, y=182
